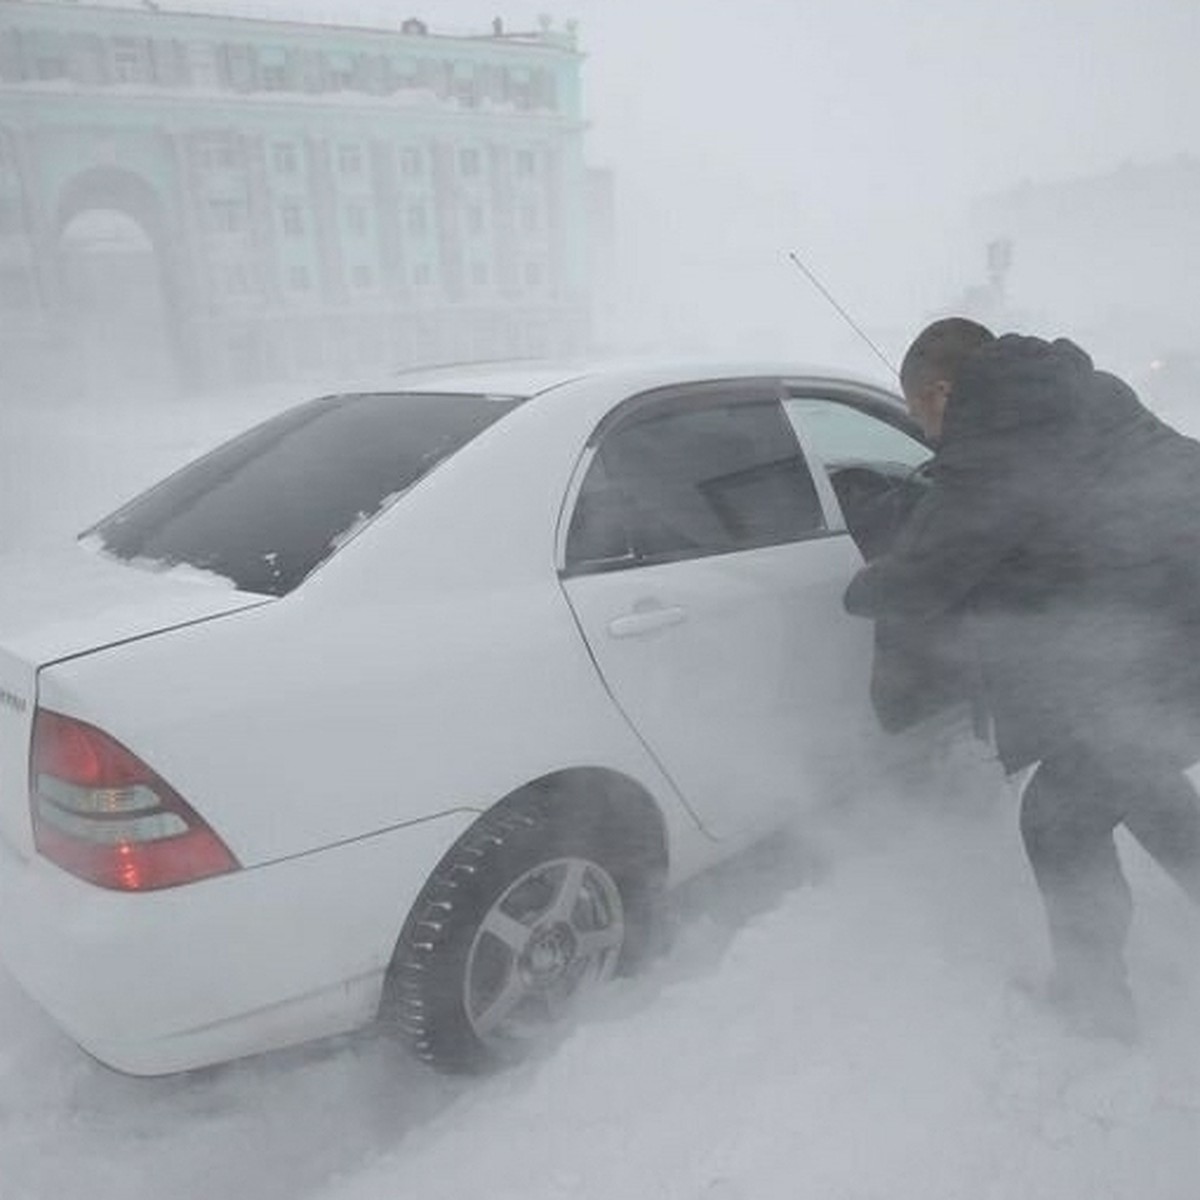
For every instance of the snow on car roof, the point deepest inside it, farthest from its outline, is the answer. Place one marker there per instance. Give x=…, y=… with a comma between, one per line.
x=519, y=378
x=526, y=378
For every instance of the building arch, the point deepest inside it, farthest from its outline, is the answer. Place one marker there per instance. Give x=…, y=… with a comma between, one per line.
x=116, y=189
x=91, y=195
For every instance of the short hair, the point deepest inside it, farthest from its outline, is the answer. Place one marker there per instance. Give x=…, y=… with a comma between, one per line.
x=940, y=349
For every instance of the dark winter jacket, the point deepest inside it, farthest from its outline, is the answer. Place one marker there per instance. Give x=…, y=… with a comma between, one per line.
x=1062, y=533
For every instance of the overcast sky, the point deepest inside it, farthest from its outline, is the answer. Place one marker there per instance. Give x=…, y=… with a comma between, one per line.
x=854, y=131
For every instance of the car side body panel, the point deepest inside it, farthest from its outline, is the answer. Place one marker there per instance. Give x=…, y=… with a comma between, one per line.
x=326, y=730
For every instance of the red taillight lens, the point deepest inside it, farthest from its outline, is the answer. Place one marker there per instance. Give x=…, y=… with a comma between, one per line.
x=102, y=814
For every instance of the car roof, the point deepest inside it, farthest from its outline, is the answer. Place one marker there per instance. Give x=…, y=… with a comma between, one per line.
x=526, y=378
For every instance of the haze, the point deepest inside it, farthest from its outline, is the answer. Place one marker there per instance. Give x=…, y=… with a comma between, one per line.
x=856, y=133
x=836, y=1016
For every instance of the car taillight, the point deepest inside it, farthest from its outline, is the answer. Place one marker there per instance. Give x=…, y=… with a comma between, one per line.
x=102, y=814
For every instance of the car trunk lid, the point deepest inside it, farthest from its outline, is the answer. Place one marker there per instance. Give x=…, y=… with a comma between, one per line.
x=57, y=606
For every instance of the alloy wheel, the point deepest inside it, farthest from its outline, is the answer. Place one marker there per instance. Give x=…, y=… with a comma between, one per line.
x=551, y=936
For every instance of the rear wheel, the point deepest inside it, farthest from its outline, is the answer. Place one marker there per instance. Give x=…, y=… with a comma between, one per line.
x=524, y=918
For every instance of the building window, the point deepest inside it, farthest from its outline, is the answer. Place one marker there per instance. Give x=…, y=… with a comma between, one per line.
x=218, y=152
x=202, y=65
x=227, y=216
x=465, y=91
x=362, y=277
x=129, y=60
x=418, y=220
x=340, y=73
x=469, y=161
x=474, y=218
x=526, y=163
x=292, y=220
x=299, y=279
x=356, y=219
x=535, y=274
x=50, y=66
x=531, y=218
x=520, y=89
x=286, y=158
x=274, y=76
x=240, y=63
x=350, y=159
x=422, y=275
x=479, y=274
x=412, y=162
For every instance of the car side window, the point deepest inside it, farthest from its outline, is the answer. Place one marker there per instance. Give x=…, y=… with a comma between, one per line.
x=682, y=481
x=839, y=434
x=871, y=463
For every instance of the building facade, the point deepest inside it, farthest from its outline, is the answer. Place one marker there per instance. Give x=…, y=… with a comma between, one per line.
x=1111, y=258
x=316, y=199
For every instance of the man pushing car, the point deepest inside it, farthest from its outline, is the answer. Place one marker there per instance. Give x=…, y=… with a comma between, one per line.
x=1062, y=528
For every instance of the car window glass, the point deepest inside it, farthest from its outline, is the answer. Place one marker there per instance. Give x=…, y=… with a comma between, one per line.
x=839, y=434
x=267, y=508
x=598, y=534
x=681, y=482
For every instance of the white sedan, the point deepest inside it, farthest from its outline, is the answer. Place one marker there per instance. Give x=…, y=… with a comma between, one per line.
x=408, y=703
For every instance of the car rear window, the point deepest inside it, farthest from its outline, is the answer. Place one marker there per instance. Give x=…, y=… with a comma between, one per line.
x=267, y=508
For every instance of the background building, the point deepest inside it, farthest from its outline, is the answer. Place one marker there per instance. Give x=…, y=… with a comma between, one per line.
x=1113, y=259
x=232, y=199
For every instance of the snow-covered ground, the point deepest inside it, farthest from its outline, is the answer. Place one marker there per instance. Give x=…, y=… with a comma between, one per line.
x=838, y=1017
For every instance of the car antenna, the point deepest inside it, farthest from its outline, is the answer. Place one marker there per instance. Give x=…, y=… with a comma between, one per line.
x=879, y=354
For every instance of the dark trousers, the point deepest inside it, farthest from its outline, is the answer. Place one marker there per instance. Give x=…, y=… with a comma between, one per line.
x=1069, y=812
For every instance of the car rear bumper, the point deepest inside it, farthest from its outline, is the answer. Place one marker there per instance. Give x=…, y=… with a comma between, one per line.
x=263, y=958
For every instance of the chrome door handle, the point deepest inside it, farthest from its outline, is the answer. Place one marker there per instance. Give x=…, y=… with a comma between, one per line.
x=646, y=620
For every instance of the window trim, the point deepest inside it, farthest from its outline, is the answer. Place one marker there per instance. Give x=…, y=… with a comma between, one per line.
x=873, y=401
x=730, y=392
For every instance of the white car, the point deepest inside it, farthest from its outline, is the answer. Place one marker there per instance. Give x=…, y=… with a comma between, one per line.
x=409, y=702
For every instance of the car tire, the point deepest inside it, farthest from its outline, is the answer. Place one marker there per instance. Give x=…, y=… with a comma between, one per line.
x=527, y=913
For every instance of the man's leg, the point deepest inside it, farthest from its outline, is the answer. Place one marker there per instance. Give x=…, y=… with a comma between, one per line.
x=1068, y=814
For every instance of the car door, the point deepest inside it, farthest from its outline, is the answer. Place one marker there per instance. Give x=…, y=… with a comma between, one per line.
x=873, y=456
x=706, y=571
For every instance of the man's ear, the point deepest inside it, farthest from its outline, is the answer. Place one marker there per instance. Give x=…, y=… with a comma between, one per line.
x=939, y=395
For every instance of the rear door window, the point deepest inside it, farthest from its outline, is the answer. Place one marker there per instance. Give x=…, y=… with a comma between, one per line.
x=269, y=507
x=684, y=480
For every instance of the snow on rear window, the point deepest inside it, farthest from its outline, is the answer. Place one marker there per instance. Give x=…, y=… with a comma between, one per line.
x=267, y=508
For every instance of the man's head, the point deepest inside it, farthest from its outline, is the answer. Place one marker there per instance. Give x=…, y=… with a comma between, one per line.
x=931, y=366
